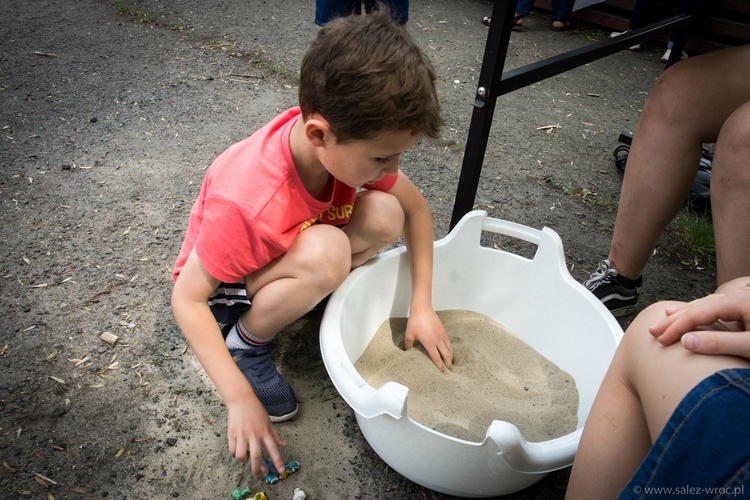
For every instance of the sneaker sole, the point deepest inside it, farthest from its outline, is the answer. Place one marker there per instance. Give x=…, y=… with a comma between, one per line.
x=623, y=311
x=284, y=418
x=620, y=305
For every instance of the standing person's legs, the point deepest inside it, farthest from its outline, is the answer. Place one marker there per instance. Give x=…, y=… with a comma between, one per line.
x=642, y=12
x=687, y=107
x=325, y=10
x=399, y=9
x=644, y=384
x=523, y=7
x=561, y=10
x=682, y=7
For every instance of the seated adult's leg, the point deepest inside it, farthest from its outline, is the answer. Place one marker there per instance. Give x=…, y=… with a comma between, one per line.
x=730, y=193
x=377, y=220
x=643, y=386
x=292, y=284
x=687, y=107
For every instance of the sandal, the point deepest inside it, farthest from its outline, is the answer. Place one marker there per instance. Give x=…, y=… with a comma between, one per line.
x=517, y=21
x=564, y=25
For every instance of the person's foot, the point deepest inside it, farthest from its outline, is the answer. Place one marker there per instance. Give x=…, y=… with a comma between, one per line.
x=665, y=57
x=633, y=48
x=561, y=25
x=273, y=391
x=617, y=293
x=517, y=21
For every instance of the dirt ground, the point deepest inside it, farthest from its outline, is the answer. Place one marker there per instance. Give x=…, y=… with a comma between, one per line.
x=110, y=114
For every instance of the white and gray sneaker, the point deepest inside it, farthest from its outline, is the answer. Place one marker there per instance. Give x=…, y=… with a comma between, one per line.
x=633, y=48
x=665, y=57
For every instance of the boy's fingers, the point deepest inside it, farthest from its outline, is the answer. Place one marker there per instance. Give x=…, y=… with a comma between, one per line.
x=238, y=449
x=713, y=342
x=435, y=357
x=232, y=447
x=274, y=453
x=446, y=352
x=255, y=460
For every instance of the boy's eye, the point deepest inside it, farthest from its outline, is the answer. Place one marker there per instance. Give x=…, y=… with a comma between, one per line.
x=382, y=160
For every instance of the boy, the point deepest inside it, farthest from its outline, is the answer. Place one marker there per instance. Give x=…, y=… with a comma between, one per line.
x=280, y=221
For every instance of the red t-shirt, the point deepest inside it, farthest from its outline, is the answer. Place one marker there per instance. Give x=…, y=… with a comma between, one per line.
x=252, y=205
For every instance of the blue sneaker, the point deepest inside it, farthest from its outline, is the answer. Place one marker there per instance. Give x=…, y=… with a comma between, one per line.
x=277, y=397
x=619, y=294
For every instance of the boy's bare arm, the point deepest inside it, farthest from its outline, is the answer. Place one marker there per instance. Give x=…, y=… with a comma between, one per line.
x=423, y=326
x=249, y=427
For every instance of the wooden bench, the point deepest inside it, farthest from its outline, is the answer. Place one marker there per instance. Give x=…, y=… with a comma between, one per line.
x=722, y=23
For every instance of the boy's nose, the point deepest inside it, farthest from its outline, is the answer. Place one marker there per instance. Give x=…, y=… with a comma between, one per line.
x=392, y=167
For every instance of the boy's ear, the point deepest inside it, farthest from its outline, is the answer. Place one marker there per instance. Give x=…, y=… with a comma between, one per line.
x=317, y=131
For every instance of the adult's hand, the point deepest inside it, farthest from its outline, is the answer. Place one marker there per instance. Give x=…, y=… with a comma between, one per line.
x=716, y=324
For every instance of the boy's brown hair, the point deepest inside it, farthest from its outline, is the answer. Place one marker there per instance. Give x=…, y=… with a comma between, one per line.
x=365, y=74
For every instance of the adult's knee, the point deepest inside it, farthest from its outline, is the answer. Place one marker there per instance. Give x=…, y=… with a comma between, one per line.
x=733, y=146
x=670, y=97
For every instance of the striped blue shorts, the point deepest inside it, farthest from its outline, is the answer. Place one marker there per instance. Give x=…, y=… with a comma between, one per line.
x=228, y=302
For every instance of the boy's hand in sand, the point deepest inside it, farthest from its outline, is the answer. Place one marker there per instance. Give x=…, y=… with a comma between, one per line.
x=249, y=431
x=426, y=328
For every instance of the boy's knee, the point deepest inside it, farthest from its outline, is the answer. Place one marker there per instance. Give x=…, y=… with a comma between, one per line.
x=384, y=214
x=327, y=256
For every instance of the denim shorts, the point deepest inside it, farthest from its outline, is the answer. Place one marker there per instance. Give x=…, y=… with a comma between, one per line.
x=325, y=10
x=704, y=449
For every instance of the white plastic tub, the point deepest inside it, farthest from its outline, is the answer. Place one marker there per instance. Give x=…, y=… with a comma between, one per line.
x=536, y=299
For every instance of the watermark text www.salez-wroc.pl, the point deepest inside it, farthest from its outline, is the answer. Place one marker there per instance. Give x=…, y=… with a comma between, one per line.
x=732, y=491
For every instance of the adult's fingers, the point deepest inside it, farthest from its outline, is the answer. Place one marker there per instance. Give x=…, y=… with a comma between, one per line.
x=718, y=342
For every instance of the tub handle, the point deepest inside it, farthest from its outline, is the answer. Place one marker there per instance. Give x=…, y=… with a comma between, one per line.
x=527, y=457
x=513, y=229
x=549, y=256
x=389, y=399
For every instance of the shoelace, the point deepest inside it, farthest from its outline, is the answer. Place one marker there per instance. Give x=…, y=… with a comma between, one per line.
x=601, y=276
x=263, y=370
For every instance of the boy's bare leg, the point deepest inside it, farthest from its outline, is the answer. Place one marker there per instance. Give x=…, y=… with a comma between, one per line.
x=291, y=285
x=683, y=111
x=730, y=194
x=640, y=391
x=377, y=220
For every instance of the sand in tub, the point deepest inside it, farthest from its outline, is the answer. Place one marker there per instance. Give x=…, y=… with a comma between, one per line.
x=495, y=376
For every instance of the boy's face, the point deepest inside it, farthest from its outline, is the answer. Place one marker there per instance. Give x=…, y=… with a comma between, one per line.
x=360, y=162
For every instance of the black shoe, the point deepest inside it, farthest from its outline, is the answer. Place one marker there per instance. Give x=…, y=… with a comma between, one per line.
x=618, y=294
